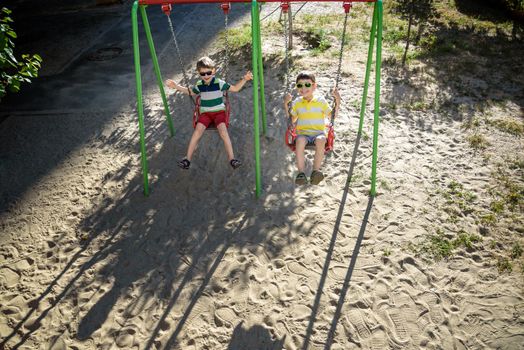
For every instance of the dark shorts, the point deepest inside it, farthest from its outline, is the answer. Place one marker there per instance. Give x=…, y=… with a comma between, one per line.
x=212, y=117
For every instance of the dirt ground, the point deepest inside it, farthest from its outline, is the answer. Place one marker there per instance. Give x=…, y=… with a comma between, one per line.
x=88, y=262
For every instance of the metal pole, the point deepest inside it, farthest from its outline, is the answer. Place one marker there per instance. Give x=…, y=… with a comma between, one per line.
x=376, y=118
x=157, y=68
x=140, y=103
x=254, y=62
x=368, y=69
x=261, y=74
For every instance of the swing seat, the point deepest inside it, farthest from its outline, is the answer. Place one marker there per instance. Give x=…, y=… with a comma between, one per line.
x=291, y=138
x=212, y=126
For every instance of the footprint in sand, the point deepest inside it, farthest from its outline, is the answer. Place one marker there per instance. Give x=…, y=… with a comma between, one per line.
x=225, y=316
x=338, y=272
x=202, y=307
x=301, y=312
x=355, y=318
x=434, y=307
x=8, y=278
x=126, y=338
x=399, y=322
x=379, y=340
x=298, y=269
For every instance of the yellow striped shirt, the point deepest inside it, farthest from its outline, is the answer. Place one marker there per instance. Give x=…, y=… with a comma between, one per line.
x=313, y=116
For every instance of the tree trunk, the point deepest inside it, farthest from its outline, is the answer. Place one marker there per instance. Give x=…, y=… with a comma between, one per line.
x=409, y=32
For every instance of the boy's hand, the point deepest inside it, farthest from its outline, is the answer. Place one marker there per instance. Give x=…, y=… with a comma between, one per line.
x=171, y=84
x=248, y=76
x=287, y=99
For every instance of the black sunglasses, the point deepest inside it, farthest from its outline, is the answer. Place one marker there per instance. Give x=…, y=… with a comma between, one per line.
x=203, y=74
x=308, y=85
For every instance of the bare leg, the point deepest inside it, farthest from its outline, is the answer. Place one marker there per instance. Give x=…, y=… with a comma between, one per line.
x=193, y=143
x=300, y=147
x=222, y=131
x=319, y=153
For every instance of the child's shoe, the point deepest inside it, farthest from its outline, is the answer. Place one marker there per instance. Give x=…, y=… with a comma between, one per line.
x=235, y=163
x=316, y=177
x=184, y=163
x=301, y=179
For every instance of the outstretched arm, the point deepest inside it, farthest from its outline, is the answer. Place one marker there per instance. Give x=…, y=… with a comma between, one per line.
x=183, y=89
x=238, y=86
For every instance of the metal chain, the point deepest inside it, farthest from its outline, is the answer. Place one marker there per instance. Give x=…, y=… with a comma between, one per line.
x=342, y=43
x=300, y=8
x=286, y=48
x=341, y=52
x=272, y=12
x=226, y=61
x=186, y=79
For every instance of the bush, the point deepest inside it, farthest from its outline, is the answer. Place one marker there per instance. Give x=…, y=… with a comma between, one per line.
x=14, y=72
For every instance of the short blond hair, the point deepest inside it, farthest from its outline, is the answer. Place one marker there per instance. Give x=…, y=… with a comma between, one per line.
x=205, y=62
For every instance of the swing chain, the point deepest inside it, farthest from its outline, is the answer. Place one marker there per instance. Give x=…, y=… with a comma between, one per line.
x=347, y=7
x=227, y=49
x=225, y=7
x=285, y=9
x=179, y=55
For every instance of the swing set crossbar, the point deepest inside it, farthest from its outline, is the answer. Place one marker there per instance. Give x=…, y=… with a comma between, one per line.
x=171, y=2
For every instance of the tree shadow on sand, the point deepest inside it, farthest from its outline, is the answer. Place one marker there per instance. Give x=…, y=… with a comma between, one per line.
x=157, y=256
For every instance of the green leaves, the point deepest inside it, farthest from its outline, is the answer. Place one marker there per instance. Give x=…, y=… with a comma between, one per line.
x=14, y=72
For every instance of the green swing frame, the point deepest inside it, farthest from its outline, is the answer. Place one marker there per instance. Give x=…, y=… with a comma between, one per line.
x=259, y=105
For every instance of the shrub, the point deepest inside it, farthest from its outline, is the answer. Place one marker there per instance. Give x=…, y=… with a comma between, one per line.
x=14, y=72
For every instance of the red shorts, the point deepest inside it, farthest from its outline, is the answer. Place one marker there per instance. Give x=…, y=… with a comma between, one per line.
x=208, y=118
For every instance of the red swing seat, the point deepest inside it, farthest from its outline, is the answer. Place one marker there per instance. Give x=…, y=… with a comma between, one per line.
x=212, y=126
x=291, y=138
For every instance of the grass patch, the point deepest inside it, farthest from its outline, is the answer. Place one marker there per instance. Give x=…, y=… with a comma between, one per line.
x=478, y=141
x=440, y=247
x=510, y=126
x=386, y=252
x=239, y=38
x=508, y=191
x=516, y=164
x=516, y=251
x=504, y=265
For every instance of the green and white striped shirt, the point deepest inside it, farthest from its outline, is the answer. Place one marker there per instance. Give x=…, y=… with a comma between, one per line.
x=211, y=96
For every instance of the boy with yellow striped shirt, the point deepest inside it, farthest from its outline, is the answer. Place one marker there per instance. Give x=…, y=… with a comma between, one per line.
x=311, y=113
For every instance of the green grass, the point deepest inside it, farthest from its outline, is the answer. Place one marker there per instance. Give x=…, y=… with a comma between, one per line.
x=516, y=251
x=239, y=38
x=478, y=141
x=441, y=247
x=504, y=265
x=510, y=126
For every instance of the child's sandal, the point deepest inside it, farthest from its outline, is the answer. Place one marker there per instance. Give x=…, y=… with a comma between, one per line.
x=301, y=179
x=184, y=163
x=316, y=177
x=235, y=163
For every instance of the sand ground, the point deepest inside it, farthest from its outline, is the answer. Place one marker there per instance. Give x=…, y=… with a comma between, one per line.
x=88, y=262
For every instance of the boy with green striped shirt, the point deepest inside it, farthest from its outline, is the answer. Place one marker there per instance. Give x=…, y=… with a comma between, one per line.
x=212, y=107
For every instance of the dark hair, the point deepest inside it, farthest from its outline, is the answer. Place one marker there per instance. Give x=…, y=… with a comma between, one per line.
x=305, y=76
x=205, y=62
